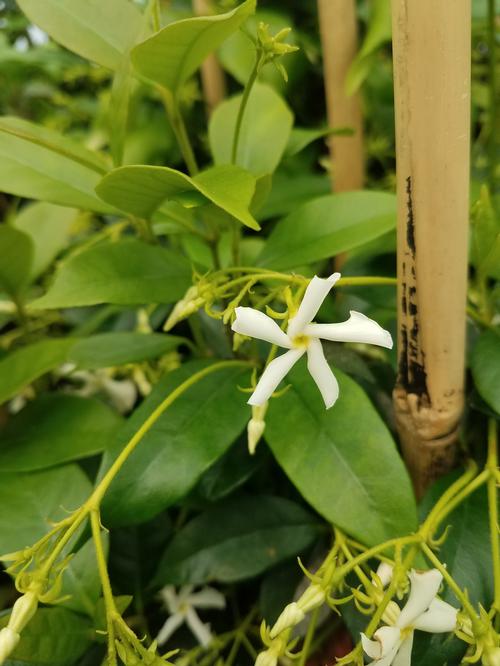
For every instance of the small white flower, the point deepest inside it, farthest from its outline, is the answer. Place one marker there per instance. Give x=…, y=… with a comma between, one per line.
x=181, y=606
x=122, y=393
x=303, y=336
x=423, y=611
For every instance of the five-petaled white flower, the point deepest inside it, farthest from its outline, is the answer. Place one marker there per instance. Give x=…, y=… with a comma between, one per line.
x=303, y=336
x=181, y=606
x=423, y=611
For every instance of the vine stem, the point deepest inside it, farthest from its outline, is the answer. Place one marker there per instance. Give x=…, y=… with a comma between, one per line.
x=243, y=104
x=95, y=522
x=96, y=497
x=179, y=128
x=304, y=653
x=491, y=466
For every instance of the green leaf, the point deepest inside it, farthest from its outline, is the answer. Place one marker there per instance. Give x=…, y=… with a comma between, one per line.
x=48, y=227
x=16, y=250
x=301, y=137
x=32, y=501
x=173, y=54
x=81, y=581
x=485, y=366
x=54, y=637
x=326, y=226
x=98, y=31
x=379, y=32
x=106, y=350
x=283, y=199
x=141, y=189
x=24, y=365
x=236, y=540
x=184, y=442
x=343, y=461
x=264, y=134
x=55, y=429
x=38, y=163
x=127, y=272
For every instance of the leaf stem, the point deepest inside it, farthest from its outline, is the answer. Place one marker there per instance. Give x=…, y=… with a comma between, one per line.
x=243, y=104
x=179, y=128
x=304, y=653
x=491, y=466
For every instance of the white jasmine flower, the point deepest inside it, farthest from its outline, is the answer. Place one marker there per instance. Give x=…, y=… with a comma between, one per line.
x=423, y=611
x=303, y=335
x=122, y=393
x=181, y=606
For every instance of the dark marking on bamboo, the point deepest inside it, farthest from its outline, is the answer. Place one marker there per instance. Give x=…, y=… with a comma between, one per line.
x=410, y=223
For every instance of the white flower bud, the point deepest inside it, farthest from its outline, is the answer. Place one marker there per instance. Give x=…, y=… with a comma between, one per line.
x=8, y=642
x=290, y=617
x=384, y=572
x=188, y=305
x=313, y=597
x=22, y=611
x=256, y=426
x=391, y=613
x=266, y=658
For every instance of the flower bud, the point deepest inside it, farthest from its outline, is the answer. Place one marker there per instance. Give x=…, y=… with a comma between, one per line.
x=492, y=657
x=256, y=426
x=290, y=616
x=266, y=658
x=384, y=572
x=391, y=613
x=8, y=642
x=313, y=597
x=22, y=611
x=188, y=305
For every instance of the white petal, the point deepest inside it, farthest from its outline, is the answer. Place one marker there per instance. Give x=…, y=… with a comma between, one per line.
x=170, y=598
x=372, y=648
x=199, y=629
x=424, y=587
x=273, y=374
x=403, y=657
x=256, y=324
x=358, y=328
x=321, y=373
x=207, y=598
x=122, y=392
x=170, y=626
x=316, y=292
x=384, y=572
x=440, y=618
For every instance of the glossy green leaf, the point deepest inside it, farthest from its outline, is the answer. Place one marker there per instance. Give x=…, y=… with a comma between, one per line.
x=184, y=442
x=284, y=199
x=379, y=32
x=343, y=461
x=106, y=350
x=327, y=226
x=39, y=163
x=32, y=501
x=172, y=55
x=264, y=135
x=485, y=366
x=24, y=365
x=128, y=272
x=301, y=137
x=236, y=540
x=55, y=429
x=99, y=31
x=81, y=581
x=54, y=637
x=140, y=190
x=16, y=252
x=49, y=228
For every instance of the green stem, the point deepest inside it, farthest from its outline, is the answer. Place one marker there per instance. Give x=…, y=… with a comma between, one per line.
x=491, y=466
x=96, y=497
x=106, y=585
x=179, y=129
x=494, y=121
x=304, y=653
x=243, y=105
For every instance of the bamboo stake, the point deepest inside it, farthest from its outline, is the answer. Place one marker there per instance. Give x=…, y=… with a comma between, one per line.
x=339, y=40
x=213, y=79
x=431, y=46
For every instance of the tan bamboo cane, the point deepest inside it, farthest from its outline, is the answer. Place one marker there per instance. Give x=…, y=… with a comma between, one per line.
x=431, y=47
x=213, y=79
x=339, y=41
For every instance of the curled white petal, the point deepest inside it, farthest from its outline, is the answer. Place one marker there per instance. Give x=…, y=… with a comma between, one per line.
x=385, y=646
x=170, y=627
x=424, y=587
x=321, y=373
x=441, y=617
x=207, y=597
x=403, y=656
x=256, y=324
x=384, y=572
x=200, y=630
x=358, y=328
x=273, y=374
x=316, y=292
x=372, y=648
